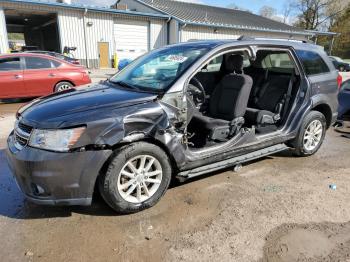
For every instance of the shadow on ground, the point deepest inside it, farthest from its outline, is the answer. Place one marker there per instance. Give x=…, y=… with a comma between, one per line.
x=308, y=242
x=14, y=205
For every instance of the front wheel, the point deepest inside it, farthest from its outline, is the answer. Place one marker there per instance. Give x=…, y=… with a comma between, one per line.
x=137, y=177
x=311, y=134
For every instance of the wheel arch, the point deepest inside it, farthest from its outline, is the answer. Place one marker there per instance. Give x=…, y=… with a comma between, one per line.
x=326, y=110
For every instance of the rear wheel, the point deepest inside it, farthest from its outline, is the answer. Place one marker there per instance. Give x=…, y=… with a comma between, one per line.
x=137, y=177
x=61, y=86
x=311, y=134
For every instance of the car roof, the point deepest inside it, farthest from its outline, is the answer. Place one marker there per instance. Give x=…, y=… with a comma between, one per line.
x=24, y=54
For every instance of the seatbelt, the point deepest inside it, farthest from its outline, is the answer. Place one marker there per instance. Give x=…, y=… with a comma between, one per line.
x=289, y=95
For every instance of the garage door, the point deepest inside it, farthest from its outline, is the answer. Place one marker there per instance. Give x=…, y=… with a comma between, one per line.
x=131, y=38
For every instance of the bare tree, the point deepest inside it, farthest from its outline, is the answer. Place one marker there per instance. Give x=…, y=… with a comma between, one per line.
x=267, y=11
x=315, y=14
x=287, y=11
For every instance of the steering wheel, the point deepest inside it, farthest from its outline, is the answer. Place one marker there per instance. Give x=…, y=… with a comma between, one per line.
x=196, y=92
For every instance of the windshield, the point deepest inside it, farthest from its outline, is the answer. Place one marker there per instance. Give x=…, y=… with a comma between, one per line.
x=158, y=70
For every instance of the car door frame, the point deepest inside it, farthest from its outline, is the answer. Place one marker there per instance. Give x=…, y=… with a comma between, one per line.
x=248, y=142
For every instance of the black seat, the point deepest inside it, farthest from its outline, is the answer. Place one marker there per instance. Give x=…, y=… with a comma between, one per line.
x=266, y=107
x=228, y=102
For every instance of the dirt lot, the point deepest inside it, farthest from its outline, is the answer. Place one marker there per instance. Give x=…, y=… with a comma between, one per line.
x=279, y=208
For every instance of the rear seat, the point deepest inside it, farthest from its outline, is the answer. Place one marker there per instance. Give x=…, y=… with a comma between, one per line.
x=268, y=99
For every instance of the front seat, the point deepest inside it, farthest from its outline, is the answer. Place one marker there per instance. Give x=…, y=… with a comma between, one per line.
x=228, y=103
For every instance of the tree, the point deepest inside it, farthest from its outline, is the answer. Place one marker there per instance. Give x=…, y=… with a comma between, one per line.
x=267, y=11
x=317, y=14
x=286, y=12
x=342, y=25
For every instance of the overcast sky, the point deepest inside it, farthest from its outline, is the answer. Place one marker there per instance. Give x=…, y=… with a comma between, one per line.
x=253, y=5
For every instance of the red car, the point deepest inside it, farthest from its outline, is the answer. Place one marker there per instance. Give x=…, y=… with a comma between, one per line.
x=31, y=75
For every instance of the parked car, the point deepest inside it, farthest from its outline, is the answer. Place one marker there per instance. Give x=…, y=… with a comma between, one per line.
x=133, y=133
x=344, y=104
x=32, y=75
x=58, y=55
x=340, y=64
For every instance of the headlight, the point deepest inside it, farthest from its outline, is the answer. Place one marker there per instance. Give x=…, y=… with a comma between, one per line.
x=56, y=140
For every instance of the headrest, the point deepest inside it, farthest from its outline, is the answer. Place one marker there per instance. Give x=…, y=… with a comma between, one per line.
x=234, y=63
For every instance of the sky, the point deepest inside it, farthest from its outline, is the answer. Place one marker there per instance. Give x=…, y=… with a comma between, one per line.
x=253, y=5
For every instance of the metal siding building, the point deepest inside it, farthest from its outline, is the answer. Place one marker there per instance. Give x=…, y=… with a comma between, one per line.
x=3, y=33
x=85, y=27
x=191, y=21
x=193, y=32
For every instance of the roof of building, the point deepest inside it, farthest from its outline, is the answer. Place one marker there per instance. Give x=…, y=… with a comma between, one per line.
x=88, y=8
x=193, y=13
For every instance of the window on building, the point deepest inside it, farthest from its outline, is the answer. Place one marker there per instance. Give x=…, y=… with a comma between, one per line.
x=312, y=62
x=10, y=64
x=37, y=63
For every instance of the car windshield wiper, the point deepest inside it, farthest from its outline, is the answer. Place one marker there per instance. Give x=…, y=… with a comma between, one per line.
x=124, y=84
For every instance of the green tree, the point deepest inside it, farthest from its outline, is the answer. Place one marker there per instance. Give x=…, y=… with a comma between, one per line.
x=342, y=26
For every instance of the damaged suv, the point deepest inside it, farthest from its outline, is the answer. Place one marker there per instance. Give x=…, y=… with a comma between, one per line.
x=179, y=111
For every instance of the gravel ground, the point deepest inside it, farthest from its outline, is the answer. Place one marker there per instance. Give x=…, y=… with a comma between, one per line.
x=279, y=208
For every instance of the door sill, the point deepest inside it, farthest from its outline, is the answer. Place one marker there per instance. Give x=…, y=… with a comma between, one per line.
x=184, y=175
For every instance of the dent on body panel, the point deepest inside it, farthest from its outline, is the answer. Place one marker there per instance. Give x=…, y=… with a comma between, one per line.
x=145, y=119
x=155, y=121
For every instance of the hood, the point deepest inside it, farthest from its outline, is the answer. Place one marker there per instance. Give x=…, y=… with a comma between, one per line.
x=63, y=106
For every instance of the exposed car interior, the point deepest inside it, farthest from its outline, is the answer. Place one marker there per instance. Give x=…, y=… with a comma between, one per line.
x=234, y=92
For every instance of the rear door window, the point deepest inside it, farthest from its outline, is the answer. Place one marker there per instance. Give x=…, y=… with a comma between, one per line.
x=10, y=64
x=312, y=62
x=38, y=63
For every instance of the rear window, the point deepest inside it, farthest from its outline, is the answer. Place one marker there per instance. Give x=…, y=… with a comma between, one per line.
x=312, y=62
x=56, y=63
x=10, y=64
x=37, y=63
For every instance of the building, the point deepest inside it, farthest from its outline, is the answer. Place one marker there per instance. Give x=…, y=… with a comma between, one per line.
x=97, y=33
x=191, y=21
x=130, y=28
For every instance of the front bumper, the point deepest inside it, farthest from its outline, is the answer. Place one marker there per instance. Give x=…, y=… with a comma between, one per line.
x=51, y=178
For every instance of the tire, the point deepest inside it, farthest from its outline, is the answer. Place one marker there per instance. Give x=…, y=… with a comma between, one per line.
x=300, y=143
x=112, y=182
x=61, y=86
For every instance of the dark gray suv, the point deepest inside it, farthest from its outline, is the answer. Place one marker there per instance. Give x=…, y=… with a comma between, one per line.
x=179, y=111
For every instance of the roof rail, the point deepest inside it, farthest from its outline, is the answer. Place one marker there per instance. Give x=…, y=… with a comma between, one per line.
x=247, y=38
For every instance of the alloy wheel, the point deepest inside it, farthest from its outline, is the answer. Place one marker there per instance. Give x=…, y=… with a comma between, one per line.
x=313, y=135
x=63, y=87
x=139, y=179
